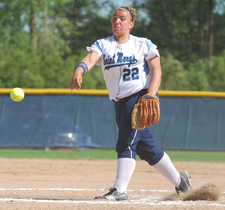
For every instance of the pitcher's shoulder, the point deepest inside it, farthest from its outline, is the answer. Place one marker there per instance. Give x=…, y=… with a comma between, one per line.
x=142, y=40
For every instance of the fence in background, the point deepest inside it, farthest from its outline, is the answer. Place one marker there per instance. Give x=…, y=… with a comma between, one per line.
x=53, y=118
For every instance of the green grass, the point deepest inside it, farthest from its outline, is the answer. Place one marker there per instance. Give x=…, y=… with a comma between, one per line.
x=58, y=154
x=197, y=156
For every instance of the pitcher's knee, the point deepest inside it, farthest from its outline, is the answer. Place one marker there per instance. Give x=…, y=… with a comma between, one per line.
x=152, y=157
x=126, y=154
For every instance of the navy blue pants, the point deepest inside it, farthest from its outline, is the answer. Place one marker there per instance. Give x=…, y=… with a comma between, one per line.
x=131, y=142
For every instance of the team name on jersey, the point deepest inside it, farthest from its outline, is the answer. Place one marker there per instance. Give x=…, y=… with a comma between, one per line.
x=118, y=60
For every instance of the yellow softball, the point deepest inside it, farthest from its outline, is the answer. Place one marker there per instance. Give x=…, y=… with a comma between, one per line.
x=17, y=94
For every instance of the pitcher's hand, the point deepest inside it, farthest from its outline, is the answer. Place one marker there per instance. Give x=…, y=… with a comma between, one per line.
x=76, y=80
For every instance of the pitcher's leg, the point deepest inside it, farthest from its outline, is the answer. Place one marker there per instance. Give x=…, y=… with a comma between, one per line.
x=167, y=169
x=147, y=150
x=125, y=169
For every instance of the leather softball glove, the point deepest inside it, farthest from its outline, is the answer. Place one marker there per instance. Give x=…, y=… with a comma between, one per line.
x=146, y=112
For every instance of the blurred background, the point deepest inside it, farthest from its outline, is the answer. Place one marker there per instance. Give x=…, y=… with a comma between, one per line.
x=42, y=40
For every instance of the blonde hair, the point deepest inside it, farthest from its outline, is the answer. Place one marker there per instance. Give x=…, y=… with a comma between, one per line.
x=132, y=12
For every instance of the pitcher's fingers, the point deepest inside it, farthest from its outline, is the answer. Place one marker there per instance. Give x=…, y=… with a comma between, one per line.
x=71, y=85
x=78, y=84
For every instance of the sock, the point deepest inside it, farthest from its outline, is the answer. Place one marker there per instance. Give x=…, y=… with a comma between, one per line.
x=167, y=169
x=125, y=169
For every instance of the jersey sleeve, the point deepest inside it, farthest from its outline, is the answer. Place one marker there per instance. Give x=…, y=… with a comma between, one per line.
x=95, y=48
x=152, y=51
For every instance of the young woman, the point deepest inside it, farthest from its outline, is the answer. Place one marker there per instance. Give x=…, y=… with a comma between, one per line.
x=131, y=68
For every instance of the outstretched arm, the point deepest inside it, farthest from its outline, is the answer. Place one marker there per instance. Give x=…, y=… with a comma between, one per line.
x=90, y=60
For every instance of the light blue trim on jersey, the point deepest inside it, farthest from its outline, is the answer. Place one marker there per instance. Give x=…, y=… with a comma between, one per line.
x=97, y=45
x=150, y=44
x=146, y=68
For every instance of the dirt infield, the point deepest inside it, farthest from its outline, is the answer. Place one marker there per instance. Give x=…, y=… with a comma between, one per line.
x=30, y=184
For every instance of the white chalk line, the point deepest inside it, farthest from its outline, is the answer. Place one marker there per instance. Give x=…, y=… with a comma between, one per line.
x=143, y=201
x=131, y=202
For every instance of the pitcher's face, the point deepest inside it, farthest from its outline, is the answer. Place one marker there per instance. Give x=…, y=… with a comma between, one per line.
x=121, y=23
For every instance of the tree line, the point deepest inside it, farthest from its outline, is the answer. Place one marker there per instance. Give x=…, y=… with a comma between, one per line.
x=42, y=40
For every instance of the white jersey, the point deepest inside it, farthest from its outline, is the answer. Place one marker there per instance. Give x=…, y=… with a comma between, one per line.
x=124, y=66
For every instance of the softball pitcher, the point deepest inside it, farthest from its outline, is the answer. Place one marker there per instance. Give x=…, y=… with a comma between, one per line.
x=131, y=68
